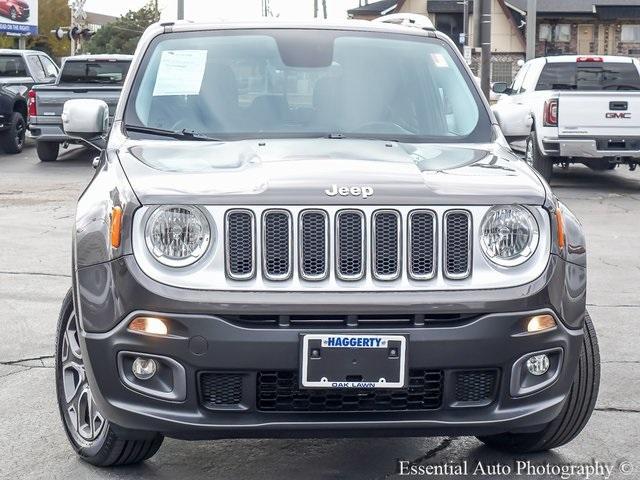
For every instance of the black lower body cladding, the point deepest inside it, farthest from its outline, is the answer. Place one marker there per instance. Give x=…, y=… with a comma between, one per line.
x=241, y=379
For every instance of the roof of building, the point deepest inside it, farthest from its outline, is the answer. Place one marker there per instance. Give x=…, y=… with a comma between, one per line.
x=571, y=6
x=99, y=18
x=447, y=6
x=382, y=7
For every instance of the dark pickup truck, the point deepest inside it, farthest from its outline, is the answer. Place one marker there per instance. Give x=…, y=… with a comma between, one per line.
x=20, y=70
x=84, y=76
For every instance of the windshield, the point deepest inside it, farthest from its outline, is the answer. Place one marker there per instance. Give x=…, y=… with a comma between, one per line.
x=590, y=76
x=94, y=72
x=306, y=83
x=12, y=66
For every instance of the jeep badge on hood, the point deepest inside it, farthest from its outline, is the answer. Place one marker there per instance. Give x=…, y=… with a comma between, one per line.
x=363, y=191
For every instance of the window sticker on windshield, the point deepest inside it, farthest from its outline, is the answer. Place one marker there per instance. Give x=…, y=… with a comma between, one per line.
x=180, y=72
x=439, y=60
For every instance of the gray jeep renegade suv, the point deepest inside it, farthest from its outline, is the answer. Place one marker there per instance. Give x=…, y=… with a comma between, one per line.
x=316, y=230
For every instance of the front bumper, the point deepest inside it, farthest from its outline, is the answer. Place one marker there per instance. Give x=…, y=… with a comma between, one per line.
x=206, y=340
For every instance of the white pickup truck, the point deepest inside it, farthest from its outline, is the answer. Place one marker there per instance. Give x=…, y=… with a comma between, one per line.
x=573, y=109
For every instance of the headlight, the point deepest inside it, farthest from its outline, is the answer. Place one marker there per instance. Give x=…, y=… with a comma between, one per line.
x=509, y=235
x=177, y=235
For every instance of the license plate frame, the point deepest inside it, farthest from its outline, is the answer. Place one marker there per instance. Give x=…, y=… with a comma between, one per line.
x=353, y=361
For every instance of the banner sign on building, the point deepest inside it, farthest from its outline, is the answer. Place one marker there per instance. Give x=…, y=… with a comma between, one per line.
x=19, y=17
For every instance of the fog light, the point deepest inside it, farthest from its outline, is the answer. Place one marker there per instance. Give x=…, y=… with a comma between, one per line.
x=540, y=323
x=151, y=325
x=538, y=364
x=144, y=368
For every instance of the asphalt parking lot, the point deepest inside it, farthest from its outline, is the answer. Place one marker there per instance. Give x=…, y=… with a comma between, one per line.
x=36, y=211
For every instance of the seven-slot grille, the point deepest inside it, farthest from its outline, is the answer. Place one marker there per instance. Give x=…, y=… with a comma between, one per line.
x=422, y=244
x=387, y=238
x=240, y=244
x=314, y=244
x=457, y=244
x=276, y=244
x=350, y=244
x=354, y=246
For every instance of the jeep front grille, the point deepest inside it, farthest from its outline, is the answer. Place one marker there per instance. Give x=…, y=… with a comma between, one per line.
x=314, y=244
x=240, y=244
x=387, y=238
x=276, y=244
x=348, y=244
x=457, y=244
x=422, y=244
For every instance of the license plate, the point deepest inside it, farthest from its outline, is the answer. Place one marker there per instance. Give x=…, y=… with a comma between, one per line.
x=353, y=361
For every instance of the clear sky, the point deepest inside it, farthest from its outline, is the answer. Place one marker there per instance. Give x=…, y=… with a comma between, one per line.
x=203, y=10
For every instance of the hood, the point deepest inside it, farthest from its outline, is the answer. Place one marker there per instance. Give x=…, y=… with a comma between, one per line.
x=309, y=171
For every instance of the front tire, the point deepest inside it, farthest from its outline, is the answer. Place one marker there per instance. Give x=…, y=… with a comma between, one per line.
x=12, y=139
x=48, y=151
x=575, y=413
x=91, y=435
x=542, y=163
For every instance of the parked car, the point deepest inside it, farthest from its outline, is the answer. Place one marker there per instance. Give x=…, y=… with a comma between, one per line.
x=84, y=76
x=573, y=109
x=315, y=253
x=16, y=10
x=20, y=70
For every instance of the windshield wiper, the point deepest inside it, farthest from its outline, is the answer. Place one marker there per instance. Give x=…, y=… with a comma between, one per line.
x=183, y=134
x=357, y=136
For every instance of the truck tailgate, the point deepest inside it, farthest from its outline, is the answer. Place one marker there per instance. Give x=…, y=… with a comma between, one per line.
x=596, y=114
x=50, y=100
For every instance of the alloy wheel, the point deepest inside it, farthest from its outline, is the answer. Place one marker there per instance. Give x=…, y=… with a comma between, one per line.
x=20, y=132
x=81, y=415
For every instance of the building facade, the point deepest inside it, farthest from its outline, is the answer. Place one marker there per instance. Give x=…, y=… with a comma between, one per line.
x=578, y=27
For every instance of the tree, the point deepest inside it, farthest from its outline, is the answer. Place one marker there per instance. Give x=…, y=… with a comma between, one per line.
x=122, y=35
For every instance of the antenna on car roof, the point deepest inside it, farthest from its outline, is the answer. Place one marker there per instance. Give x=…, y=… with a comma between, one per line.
x=407, y=20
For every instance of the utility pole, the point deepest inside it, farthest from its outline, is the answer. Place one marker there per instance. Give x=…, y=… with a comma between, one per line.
x=532, y=21
x=476, y=23
x=315, y=8
x=465, y=21
x=180, y=9
x=485, y=32
x=324, y=8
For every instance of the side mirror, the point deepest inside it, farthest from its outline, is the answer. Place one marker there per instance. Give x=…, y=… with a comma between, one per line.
x=500, y=87
x=85, y=118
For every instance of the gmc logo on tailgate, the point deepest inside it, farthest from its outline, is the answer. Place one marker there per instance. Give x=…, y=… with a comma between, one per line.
x=617, y=115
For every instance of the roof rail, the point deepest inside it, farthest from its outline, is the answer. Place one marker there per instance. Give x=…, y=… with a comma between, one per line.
x=408, y=20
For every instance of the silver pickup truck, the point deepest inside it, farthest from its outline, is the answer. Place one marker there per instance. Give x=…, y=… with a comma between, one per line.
x=85, y=76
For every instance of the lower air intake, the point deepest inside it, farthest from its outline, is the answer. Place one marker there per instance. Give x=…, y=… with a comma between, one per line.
x=476, y=386
x=220, y=389
x=280, y=392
